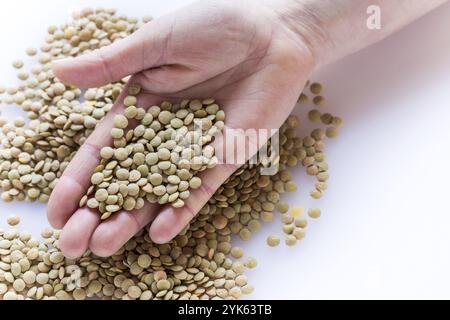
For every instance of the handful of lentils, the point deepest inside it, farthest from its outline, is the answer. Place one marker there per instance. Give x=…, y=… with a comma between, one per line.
x=200, y=263
x=158, y=159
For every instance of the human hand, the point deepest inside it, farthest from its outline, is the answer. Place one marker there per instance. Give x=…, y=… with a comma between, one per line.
x=241, y=53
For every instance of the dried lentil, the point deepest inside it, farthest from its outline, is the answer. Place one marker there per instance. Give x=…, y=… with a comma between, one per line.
x=314, y=212
x=13, y=220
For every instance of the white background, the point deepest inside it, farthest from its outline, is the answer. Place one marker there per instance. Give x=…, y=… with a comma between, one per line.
x=384, y=232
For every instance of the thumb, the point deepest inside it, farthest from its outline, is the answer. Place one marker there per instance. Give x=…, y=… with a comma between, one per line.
x=141, y=50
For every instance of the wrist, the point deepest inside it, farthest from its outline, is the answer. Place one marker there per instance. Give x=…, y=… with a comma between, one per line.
x=335, y=28
x=307, y=25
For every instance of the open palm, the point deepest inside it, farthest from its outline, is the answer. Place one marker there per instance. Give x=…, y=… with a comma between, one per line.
x=240, y=54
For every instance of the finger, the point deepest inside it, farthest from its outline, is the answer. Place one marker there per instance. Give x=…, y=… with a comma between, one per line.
x=112, y=234
x=171, y=78
x=141, y=50
x=176, y=78
x=74, y=182
x=74, y=239
x=76, y=179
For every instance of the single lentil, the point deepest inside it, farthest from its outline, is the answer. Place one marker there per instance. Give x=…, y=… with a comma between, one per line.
x=273, y=240
x=13, y=220
x=314, y=212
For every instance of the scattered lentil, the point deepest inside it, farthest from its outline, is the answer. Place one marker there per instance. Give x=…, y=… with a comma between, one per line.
x=273, y=241
x=17, y=64
x=332, y=132
x=303, y=98
x=31, y=51
x=314, y=115
x=314, y=212
x=291, y=240
x=237, y=252
x=13, y=220
x=282, y=207
x=298, y=233
x=315, y=88
x=318, y=100
x=297, y=212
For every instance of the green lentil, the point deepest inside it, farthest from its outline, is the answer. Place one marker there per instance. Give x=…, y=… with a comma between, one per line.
x=303, y=98
x=314, y=212
x=290, y=240
x=237, y=252
x=13, y=220
x=314, y=115
x=326, y=118
x=31, y=51
x=315, y=88
x=273, y=241
x=17, y=64
x=298, y=233
x=282, y=207
x=332, y=132
x=318, y=100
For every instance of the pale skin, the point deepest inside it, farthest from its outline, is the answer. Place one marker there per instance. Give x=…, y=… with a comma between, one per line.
x=253, y=56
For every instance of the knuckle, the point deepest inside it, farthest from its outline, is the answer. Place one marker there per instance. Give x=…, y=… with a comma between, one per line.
x=105, y=64
x=164, y=81
x=188, y=208
x=90, y=148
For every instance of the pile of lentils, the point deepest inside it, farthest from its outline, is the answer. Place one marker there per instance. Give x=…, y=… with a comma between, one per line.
x=200, y=263
x=158, y=159
x=35, y=153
